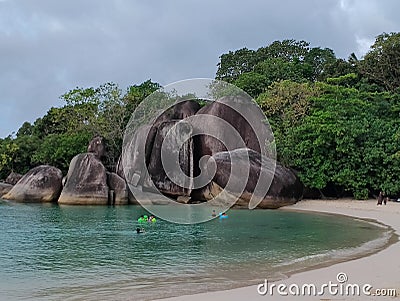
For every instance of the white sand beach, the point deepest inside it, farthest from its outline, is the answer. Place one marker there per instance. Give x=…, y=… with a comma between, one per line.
x=381, y=270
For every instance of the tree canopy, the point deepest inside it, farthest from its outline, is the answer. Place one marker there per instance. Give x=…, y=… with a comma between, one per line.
x=65, y=131
x=382, y=63
x=335, y=121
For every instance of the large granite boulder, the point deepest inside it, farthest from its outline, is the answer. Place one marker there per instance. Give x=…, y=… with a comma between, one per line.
x=86, y=182
x=118, y=193
x=239, y=114
x=13, y=178
x=189, y=143
x=119, y=169
x=136, y=155
x=178, y=158
x=5, y=188
x=40, y=184
x=97, y=147
x=179, y=111
x=184, y=109
x=285, y=188
x=143, y=150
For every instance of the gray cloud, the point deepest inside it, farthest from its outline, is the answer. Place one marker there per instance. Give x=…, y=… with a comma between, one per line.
x=48, y=47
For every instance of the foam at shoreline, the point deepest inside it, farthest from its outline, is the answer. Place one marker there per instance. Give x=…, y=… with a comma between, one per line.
x=345, y=254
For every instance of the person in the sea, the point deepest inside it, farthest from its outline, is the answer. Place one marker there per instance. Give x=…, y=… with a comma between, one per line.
x=380, y=197
x=222, y=215
x=138, y=230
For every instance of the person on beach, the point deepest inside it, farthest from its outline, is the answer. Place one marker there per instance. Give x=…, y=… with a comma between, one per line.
x=385, y=200
x=214, y=214
x=380, y=198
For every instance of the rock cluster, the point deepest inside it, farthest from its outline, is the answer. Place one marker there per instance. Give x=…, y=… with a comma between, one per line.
x=285, y=186
x=89, y=183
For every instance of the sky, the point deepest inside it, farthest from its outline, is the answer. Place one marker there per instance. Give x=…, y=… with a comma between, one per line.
x=49, y=47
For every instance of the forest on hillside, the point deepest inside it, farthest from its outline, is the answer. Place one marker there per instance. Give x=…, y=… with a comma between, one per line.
x=335, y=121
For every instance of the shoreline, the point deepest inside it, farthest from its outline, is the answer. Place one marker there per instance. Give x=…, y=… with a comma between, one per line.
x=380, y=269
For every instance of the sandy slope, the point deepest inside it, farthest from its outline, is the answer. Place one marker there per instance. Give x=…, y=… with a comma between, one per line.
x=380, y=270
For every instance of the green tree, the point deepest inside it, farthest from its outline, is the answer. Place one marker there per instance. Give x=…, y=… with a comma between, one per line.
x=251, y=82
x=59, y=149
x=285, y=104
x=287, y=50
x=8, y=151
x=56, y=121
x=65, y=131
x=135, y=94
x=349, y=80
x=234, y=63
x=382, y=64
x=27, y=147
x=277, y=69
x=105, y=111
x=348, y=139
x=319, y=59
x=337, y=68
x=98, y=111
x=281, y=60
x=25, y=130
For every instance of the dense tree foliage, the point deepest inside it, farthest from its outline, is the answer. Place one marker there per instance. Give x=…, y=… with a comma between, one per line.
x=382, y=63
x=8, y=153
x=335, y=120
x=348, y=139
x=283, y=60
x=65, y=131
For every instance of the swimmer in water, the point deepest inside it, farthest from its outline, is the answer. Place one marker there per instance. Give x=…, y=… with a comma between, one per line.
x=223, y=215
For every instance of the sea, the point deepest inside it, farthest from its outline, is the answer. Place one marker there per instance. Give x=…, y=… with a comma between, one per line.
x=54, y=252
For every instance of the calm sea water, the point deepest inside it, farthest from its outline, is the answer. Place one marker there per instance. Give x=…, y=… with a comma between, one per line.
x=50, y=252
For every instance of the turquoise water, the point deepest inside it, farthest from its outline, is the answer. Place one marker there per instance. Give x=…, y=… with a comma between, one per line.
x=51, y=252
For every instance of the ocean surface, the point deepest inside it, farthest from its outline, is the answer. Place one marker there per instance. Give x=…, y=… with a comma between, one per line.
x=51, y=252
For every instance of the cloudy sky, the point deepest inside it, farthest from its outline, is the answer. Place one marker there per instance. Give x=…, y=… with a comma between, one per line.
x=48, y=47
